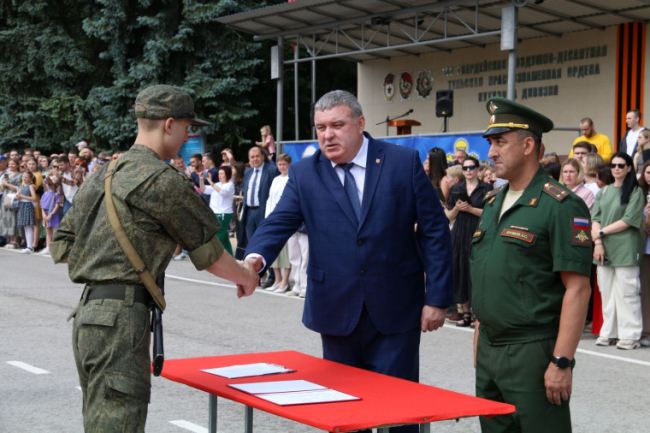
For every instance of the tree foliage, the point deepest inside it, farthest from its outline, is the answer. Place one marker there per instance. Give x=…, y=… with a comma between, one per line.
x=70, y=69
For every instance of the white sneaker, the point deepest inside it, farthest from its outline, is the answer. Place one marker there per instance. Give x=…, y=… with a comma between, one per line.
x=181, y=256
x=644, y=342
x=27, y=251
x=604, y=341
x=44, y=251
x=628, y=344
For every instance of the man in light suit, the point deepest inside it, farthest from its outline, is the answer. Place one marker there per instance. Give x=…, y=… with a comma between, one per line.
x=360, y=200
x=257, y=184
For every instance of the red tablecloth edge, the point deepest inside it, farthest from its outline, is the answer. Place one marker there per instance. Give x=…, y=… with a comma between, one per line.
x=244, y=398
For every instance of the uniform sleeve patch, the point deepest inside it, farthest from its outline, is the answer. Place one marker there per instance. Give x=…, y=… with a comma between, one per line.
x=478, y=233
x=518, y=234
x=581, y=231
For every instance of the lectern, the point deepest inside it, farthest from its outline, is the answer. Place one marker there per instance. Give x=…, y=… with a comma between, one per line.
x=404, y=125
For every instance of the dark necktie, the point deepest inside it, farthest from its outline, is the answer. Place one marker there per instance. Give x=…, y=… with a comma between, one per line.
x=251, y=202
x=350, y=187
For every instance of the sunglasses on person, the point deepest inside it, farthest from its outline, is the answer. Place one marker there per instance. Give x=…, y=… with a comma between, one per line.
x=468, y=167
x=621, y=166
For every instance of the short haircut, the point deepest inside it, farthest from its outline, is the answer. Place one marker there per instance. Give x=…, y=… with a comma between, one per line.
x=456, y=171
x=592, y=162
x=284, y=157
x=148, y=124
x=256, y=147
x=587, y=120
x=63, y=159
x=523, y=134
x=339, y=97
x=636, y=112
x=227, y=171
x=583, y=144
x=460, y=150
x=474, y=160
x=197, y=156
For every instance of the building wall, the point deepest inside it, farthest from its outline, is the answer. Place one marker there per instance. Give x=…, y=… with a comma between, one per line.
x=571, y=88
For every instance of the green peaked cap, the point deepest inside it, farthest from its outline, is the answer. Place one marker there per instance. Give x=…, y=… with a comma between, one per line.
x=507, y=115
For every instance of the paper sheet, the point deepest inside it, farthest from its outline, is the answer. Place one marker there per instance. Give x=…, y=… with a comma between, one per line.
x=307, y=397
x=248, y=370
x=277, y=387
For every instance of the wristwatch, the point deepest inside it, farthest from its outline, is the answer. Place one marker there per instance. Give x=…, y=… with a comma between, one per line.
x=561, y=362
x=602, y=233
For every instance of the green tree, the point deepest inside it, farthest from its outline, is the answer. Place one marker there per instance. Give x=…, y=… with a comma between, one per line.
x=70, y=69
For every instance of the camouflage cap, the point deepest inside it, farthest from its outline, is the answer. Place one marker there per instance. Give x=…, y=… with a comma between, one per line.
x=507, y=115
x=163, y=102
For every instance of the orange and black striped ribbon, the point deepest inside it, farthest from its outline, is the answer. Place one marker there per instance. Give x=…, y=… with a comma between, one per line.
x=630, y=61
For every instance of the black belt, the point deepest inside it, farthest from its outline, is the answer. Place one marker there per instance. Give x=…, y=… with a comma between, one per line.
x=253, y=207
x=118, y=291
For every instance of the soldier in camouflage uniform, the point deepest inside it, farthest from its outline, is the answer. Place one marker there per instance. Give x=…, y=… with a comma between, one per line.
x=159, y=209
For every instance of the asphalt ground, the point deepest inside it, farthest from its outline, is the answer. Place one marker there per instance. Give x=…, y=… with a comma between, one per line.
x=204, y=318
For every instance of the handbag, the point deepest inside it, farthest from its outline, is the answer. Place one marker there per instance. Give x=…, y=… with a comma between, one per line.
x=8, y=199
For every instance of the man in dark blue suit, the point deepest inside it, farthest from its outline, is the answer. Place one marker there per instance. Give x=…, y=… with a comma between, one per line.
x=360, y=200
x=257, y=184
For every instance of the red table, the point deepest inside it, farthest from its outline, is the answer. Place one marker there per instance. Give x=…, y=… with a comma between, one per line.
x=385, y=401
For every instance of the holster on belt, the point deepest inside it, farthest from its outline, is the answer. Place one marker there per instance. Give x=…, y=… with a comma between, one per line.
x=156, y=290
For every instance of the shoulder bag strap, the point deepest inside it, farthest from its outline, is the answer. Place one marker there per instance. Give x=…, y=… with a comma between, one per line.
x=128, y=248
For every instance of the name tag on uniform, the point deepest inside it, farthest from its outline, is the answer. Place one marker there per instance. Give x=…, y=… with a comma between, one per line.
x=518, y=234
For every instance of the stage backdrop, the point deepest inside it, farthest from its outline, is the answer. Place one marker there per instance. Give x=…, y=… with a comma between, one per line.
x=473, y=143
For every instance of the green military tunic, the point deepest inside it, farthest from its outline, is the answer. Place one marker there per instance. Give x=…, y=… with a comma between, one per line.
x=517, y=292
x=158, y=208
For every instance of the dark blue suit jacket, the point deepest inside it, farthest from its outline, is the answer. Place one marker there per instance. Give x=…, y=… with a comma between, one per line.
x=380, y=262
x=266, y=179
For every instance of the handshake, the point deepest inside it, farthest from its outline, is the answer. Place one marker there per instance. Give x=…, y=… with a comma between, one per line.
x=250, y=278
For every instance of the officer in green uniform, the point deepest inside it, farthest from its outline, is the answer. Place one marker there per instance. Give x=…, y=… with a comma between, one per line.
x=158, y=208
x=530, y=265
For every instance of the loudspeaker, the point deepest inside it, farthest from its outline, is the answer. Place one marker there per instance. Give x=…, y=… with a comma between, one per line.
x=444, y=103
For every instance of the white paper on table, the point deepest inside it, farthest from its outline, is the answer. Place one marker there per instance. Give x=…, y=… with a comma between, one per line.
x=248, y=370
x=277, y=387
x=307, y=397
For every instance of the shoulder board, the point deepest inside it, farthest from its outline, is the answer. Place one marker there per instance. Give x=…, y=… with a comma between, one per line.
x=492, y=193
x=555, y=191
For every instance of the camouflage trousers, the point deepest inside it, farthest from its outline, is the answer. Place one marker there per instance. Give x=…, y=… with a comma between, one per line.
x=110, y=341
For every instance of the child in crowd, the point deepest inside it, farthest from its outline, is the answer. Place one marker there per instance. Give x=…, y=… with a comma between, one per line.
x=26, y=216
x=51, y=204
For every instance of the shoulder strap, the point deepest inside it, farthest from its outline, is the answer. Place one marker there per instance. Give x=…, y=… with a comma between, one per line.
x=128, y=248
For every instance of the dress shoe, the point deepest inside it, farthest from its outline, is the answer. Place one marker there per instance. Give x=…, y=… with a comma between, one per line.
x=292, y=293
x=282, y=289
x=272, y=288
x=303, y=294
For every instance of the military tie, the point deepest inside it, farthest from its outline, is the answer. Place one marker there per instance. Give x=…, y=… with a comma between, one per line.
x=350, y=187
x=251, y=202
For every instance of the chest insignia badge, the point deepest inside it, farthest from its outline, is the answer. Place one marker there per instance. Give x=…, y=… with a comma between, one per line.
x=532, y=202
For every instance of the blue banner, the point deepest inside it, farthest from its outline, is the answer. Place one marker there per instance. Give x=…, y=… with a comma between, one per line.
x=474, y=144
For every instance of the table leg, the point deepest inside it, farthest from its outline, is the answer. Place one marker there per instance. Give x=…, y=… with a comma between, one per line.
x=425, y=428
x=248, y=419
x=212, y=414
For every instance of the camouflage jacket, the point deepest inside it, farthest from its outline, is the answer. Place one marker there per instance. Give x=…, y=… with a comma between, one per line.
x=158, y=208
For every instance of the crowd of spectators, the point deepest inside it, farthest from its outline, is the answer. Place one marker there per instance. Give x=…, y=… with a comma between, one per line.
x=37, y=190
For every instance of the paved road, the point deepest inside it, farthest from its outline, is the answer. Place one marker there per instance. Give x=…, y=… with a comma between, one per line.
x=204, y=317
